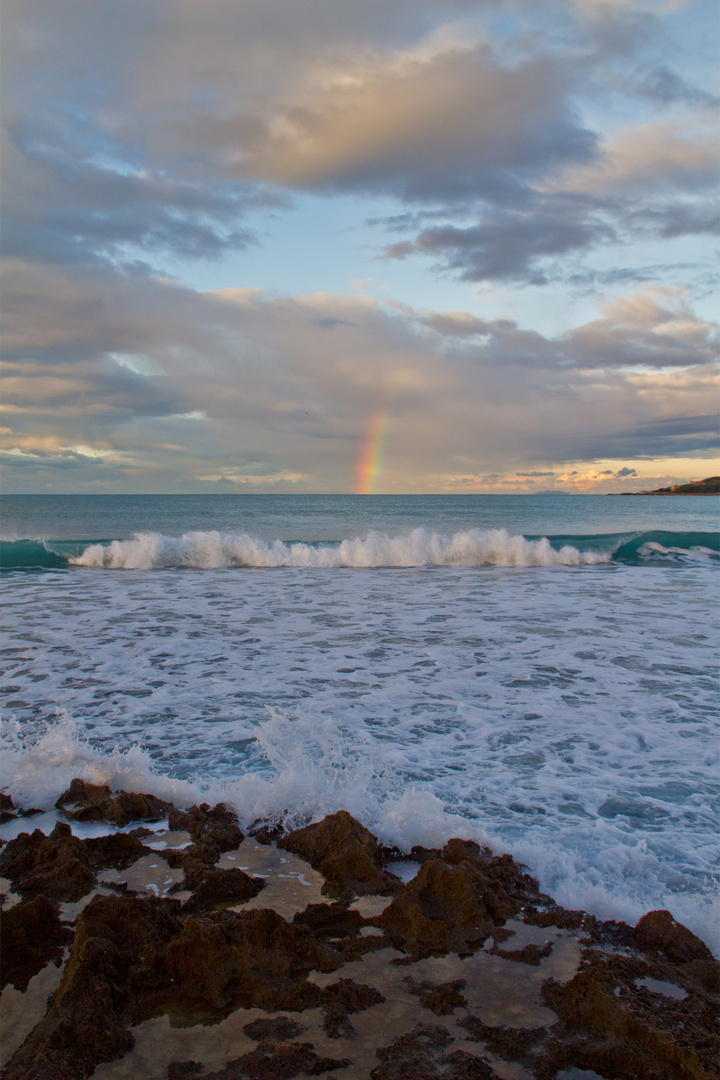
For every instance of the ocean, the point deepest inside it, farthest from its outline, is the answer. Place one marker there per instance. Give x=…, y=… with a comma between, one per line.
x=537, y=673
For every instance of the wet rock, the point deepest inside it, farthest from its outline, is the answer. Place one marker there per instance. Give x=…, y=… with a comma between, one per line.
x=599, y=1031
x=514, y=1044
x=561, y=918
x=31, y=936
x=343, y=851
x=251, y=958
x=529, y=954
x=330, y=920
x=273, y=1061
x=456, y=851
x=277, y=1029
x=446, y=907
x=611, y=1022
x=421, y=854
x=342, y=998
x=212, y=829
x=440, y=998
x=210, y=886
x=7, y=808
x=184, y=1070
x=113, y=966
x=96, y=802
x=55, y=866
x=422, y=1055
x=61, y=866
x=658, y=934
x=266, y=832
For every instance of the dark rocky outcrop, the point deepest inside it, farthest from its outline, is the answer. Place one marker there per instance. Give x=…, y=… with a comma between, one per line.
x=31, y=936
x=440, y=998
x=446, y=907
x=253, y=958
x=213, y=830
x=345, y=997
x=422, y=1055
x=529, y=954
x=210, y=886
x=616, y=1036
x=270, y=1061
x=277, y=1029
x=611, y=1022
x=96, y=802
x=330, y=920
x=61, y=866
x=344, y=852
x=134, y=957
x=114, y=965
x=659, y=935
x=7, y=808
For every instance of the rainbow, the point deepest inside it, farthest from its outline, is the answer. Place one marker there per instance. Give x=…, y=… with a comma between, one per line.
x=368, y=465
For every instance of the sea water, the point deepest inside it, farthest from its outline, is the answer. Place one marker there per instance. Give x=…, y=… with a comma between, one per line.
x=538, y=673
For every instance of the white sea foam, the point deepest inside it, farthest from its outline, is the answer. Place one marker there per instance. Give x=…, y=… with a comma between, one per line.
x=565, y=717
x=206, y=550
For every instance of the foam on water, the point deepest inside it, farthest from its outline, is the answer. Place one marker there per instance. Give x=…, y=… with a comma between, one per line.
x=421, y=547
x=563, y=714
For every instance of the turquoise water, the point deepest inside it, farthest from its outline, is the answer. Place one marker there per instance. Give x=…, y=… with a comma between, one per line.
x=336, y=517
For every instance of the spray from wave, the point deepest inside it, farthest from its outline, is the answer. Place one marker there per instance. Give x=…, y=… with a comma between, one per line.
x=421, y=547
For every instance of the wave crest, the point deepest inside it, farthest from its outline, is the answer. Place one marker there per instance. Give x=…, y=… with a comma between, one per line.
x=421, y=547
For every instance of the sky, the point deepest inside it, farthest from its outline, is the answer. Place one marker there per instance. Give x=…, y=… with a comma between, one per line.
x=372, y=246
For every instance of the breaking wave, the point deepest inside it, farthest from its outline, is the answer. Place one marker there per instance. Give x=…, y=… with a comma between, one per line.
x=420, y=547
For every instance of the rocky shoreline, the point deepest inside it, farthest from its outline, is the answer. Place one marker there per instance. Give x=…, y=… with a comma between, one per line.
x=166, y=963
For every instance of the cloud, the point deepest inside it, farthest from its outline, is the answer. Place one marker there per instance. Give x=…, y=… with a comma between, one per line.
x=256, y=390
x=510, y=244
x=648, y=157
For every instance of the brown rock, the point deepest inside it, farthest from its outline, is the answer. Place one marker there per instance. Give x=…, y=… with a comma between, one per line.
x=7, y=809
x=446, y=907
x=210, y=886
x=456, y=851
x=276, y=1029
x=515, y=1044
x=658, y=934
x=557, y=916
x=112, y=967
x=342, y=998
x=529, y=954
x=266, y=832
x=252, y=959
x=213, y=830
x=421, y=1055
x=275, y=1061
x=31, y=936
x=61, y=866
x=56, y=866
x=440, y=998
x=96, y=802
x=599, y=1031
x=343, y=850
x=330, y=920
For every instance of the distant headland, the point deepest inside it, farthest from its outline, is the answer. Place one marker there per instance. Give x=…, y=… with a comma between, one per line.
x=710, y=486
